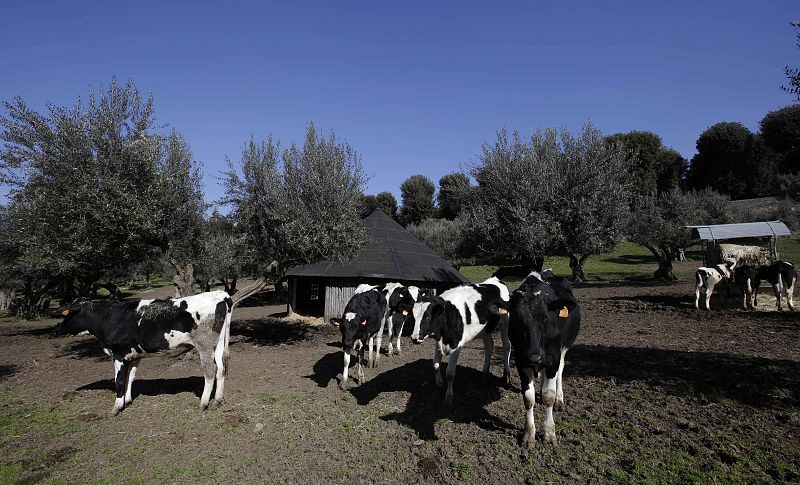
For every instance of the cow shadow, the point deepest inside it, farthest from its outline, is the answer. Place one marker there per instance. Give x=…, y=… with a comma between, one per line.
x=426, y=405
x=7, y=370
x=710, y=376
x=152, y=387
x=84, y=348
x=682, y=302
x=34, y=332
x=327, y=368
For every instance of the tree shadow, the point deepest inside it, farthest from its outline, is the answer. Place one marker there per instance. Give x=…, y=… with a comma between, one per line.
x=426, y=405
x=267, y=297
x=152, y=387
x=272, y=332
x=683, y=302
x=34, y=332
x=632, y=259
x=7, y=370
x=753, y=381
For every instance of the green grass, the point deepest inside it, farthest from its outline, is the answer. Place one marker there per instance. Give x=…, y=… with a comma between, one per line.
x=628, y=260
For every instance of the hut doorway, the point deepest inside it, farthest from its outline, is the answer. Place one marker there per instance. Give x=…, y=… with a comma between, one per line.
x=310, y=297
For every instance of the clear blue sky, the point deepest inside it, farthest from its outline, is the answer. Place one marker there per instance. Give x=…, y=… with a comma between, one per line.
x=415, y=87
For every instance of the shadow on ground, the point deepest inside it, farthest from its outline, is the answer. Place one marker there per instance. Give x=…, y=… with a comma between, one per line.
x=153, y=387
x=425, y=407
x=7, y=370
x=271, y=331
x=711, y=376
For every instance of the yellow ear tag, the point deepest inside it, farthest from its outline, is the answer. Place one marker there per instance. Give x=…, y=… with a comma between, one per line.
x=502, y=311
x=364, y=322
x=65, y=312
x=564, y=313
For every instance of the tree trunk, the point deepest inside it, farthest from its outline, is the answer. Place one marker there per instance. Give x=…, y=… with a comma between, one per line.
x=664, y=256
x=183, y=279
x=576, y=265
x=534, y=263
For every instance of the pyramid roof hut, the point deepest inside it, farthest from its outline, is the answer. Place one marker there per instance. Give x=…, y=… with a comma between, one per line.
x=391, y=253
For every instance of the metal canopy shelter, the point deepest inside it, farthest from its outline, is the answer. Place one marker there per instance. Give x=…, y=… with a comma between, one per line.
x=713, y=234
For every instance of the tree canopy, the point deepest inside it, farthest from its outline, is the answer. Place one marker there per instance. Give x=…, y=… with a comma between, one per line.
x=416, y=193
x=301, y=210
x=654, y=169
x=454, y=193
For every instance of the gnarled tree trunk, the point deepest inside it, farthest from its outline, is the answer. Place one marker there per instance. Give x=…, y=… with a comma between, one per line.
x=183, y=279
x=576, y=265
x=665, y=256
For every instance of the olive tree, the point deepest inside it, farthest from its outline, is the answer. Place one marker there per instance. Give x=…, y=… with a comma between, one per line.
x=296, y=207
x=554, y=193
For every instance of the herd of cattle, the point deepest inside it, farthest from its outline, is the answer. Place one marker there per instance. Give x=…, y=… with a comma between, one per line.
x=781, y=275
x=540, y=320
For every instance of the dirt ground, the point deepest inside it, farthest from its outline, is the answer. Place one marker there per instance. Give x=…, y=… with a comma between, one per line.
x=656, y=391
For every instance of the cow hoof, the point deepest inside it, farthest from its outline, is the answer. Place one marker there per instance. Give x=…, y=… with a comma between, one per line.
x=528, y=440
x=506, y=379
x=550, y=437
x=561, y=406
x=343, y=385
x=218, y=403
x=203, y=405
x=115, y=410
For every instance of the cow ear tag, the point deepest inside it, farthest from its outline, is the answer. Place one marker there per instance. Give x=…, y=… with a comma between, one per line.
x=405, y=313
x=564, y=313
x=502, y=311
x=65, y=312
x=364, y=322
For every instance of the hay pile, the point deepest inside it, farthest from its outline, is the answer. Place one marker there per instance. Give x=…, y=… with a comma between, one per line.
x=750, y=255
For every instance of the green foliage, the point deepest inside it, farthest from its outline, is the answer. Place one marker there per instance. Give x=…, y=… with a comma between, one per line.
x=654, y=168
x=416, y=193
x=781, y=132
x=449, y=239
x=553, y=194
x=793, y=74
x=454, y=193
x=386, y=202
x=732, y=160
x=94, y=189
x=303, y=211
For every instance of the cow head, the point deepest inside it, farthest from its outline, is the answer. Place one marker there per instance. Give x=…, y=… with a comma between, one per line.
x=416, y=315
x=401, y=301
x=534, y=325
x=432, y=320
x=349, y=325
x=73, y=323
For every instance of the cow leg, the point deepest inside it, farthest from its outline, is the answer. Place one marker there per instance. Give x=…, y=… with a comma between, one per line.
x=709, y=292
x=452, y=362
x=131, y=376
x=398, y=336
x=370, y=343
x=560, y=404
x=390, y=336
x=360, y=368
x=506, y=351
x=120, y=376
x=549, y=388
x=343, y=383
x=777, y=288
x=697, y=298
x=790, y=293
x=528, y=400
x=209, y=366
x=437, y=359
x=221, y=357
x=379, y=343
x=488, y=348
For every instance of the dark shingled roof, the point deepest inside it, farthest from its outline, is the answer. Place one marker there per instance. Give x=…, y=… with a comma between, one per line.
x=391, y=253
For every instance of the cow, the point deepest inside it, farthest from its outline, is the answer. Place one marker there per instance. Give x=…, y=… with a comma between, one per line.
x=544, y=322
x=363, y=317
x=745, y=278
x=707, y=278
x=131, y=330
x=396, y=321
x=399, y=304
x=460, y=314
x=782, y=276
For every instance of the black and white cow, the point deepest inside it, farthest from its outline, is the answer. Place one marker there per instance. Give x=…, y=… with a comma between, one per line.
x=543, y=324
x=746, y=280
x=782, y=276
x=707, y=278
x=131, y=330
x=399, y=304
x=401, y=313
x=363, y=318
x=460, y=314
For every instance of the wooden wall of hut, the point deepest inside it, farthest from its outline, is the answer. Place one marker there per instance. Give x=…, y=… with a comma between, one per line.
x=336, y=298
